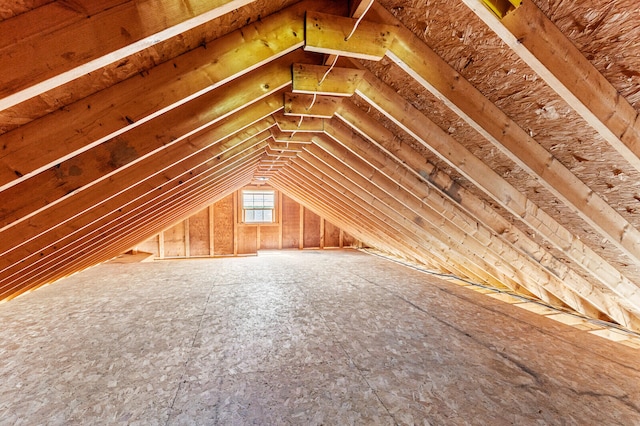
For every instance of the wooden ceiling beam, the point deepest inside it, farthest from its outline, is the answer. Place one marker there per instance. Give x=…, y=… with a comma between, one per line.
x=539, y=43
x=130, y=103
x=37, y=64
x=364, y=214
x=89, y=225
x=291, y=139
x=457, y=227
x=341, y=211
x=279, y=153
x=284, y=147
x=84, y=243
x=400, y=225
x=80, y=172
x=116, y=243
x=432, y=72
x=574, y=293
x=403, y=114
x=323, y=80
x=298, y=104
x=153, y=173
x=338, y=35
x=501, y=229
x=299, y=124
x=448, y=224
x=394, y=201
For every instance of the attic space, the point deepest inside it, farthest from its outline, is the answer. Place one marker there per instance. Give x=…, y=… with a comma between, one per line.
x=492, y=144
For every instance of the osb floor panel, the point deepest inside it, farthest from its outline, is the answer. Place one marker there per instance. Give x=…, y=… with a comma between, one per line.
x=312, y=337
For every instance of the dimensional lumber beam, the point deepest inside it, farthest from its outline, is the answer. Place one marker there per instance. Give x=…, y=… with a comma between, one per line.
x=88, y=226
x=110, y=112
x=323, y=80
x=182, y=196
x=539, y=43
x=295, y=139
x=432, y=72
x=88, y=257
x=284, y=147
x=36, y=272
x=151, y=173
x=403, y=114
x=298, y=104
x=91, y=250
x=393, y=200
x=35, y=65
x=299, y=124
x=600, y=297
x=270, y=152
x=80, y=172
x=341, y=213
x=457, y=225
x=360, y=214
x=336, y=215
x=337, y=35
x=364, y=201
x=442, y=221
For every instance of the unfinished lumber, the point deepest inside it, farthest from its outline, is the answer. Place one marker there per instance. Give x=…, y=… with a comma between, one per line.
x=79, y=173
x=426, y=67
x=601, y=297
x=449, y=150
x=337, y=35
x=324, y=80
x=538, y=42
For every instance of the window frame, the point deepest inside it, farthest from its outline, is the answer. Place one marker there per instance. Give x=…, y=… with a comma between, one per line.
x=263, y=207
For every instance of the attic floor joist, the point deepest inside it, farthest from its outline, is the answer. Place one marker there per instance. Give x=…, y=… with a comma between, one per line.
x=151, y=144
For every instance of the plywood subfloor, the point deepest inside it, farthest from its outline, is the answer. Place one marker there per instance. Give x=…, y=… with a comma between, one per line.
x=298, y=337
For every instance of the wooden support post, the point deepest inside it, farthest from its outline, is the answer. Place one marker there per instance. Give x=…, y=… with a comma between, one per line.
x=301, y=242
x=321, y=232
x=258, y=227
x=161, y=245
x=235, y=223
x=187, y=240
x=211, y=231
x=279, y=215
x=337, y=35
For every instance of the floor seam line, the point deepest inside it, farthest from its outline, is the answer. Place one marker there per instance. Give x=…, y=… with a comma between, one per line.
x=193, y=341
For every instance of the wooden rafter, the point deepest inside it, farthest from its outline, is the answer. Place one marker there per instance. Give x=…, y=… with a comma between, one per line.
x=538, y=42
x=449, y=150
x=102, y=39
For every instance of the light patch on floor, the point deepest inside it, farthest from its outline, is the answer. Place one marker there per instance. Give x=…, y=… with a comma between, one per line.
x=301, y=337
x=597, y=327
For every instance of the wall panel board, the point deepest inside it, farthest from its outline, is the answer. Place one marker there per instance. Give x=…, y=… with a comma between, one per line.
x=311, y=229
x=199, y=233
x=223, y=226
x=174, y=239
x=225, y=231
x=290, y=223
x=331, y=235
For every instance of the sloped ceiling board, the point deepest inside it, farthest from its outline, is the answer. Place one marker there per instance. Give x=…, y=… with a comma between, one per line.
x=146, y=151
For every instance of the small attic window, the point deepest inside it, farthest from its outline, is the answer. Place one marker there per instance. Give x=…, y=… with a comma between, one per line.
x=258, y=206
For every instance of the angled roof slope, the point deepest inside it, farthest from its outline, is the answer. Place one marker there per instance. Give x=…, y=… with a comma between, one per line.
x=504, y=150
